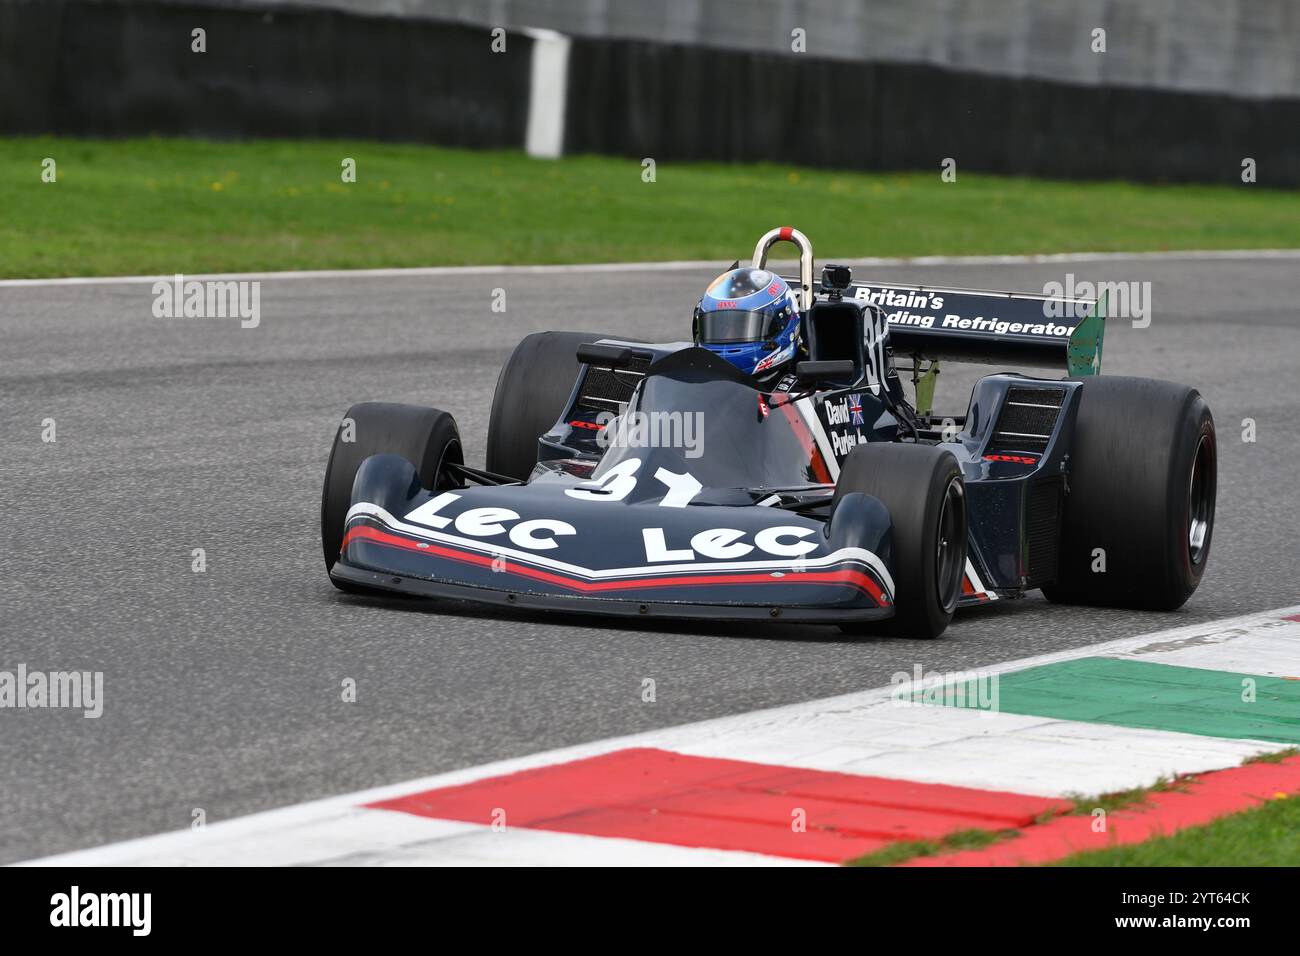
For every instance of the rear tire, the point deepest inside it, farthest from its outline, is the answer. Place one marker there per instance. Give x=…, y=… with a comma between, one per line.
x=426, y=437
x=534, y=386
x=922, y=487
x=1143, y=474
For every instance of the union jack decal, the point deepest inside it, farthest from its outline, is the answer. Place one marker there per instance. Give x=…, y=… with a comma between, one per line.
x=855, y=408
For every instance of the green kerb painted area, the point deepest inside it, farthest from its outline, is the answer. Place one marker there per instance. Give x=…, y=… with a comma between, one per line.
x=1129, y=693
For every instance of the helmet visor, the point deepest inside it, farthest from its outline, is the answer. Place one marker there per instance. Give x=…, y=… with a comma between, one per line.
x=729, y=326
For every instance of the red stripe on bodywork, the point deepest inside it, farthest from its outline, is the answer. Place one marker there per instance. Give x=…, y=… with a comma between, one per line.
x=803, y=432
x=840, y=577
x=968, y=589
x=663, y=797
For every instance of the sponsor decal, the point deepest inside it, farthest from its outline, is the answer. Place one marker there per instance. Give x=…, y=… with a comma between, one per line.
x=906, y=298
x=726, y=544
x=922, y=309
x=837, y=413
x=842, y=444
x=539, y=534
x=845, y=411
x=998, y=327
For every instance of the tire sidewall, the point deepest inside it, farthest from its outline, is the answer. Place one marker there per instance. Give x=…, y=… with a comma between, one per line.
x=1184, y=575
x=426, y=437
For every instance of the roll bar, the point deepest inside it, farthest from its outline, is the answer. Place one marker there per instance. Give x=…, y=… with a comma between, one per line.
x=791, y=235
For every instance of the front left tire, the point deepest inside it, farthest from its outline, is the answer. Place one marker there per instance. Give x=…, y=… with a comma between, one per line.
x=921, y=486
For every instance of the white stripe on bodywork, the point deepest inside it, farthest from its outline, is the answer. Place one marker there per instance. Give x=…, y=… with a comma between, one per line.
x=975, y=581
x=860, y=555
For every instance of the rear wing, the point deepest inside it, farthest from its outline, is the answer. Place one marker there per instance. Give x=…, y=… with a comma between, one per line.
x=962, y=325
x=992, y=328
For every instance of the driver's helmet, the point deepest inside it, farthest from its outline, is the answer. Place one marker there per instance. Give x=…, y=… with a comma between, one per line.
x=749, y=317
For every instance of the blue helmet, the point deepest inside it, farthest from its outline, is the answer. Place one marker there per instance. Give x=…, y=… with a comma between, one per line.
x=749, y=317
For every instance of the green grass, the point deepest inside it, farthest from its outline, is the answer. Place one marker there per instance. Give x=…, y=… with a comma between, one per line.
x=1276, y=757
x=905, y=850
x=163, y=206
x=1134, y=798
x=1268, y=835
x=1254, y=838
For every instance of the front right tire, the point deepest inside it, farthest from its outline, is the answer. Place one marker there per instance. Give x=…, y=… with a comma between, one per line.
x=532, y=390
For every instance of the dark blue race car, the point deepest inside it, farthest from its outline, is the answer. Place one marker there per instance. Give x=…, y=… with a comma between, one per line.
x=658, y=480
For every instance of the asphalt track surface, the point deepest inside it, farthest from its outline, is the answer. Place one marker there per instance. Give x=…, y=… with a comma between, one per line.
x=223, y=689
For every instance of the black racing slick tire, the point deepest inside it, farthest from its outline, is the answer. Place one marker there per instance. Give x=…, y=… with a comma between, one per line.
x=426, y=437
x=1139, y=515
x=921, y=486
x=534, y=385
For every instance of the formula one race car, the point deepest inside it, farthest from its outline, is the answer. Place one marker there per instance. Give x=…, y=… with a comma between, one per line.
x=659, y=480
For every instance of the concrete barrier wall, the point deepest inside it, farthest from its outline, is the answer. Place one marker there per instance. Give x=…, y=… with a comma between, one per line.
x=114, y=69
x=1235, y=47
x=126, y=68
x=671, y=102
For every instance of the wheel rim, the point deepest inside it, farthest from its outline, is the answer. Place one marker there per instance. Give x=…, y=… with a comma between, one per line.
x=1200, y=501
x=950, y=548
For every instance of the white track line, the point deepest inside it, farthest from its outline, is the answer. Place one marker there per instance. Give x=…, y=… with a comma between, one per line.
x=667, y=266
x=863, y=732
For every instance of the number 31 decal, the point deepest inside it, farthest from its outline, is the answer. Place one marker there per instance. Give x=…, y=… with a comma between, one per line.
x=617, y=483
